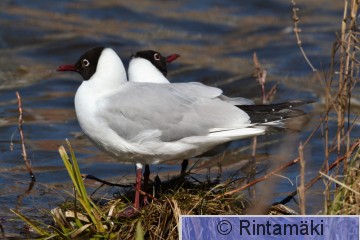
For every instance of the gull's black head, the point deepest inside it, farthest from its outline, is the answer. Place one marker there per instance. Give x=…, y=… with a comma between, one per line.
x=158, y=60
x=86, y=65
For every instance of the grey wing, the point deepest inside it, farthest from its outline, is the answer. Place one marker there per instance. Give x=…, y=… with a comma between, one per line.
x=236, y=100
x=194, y=89
x=169, y=111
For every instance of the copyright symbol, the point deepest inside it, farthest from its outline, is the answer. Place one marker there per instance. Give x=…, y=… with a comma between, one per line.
x=224, y=227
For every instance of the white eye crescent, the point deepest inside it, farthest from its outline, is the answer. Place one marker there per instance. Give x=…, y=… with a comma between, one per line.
x=157, y=56
x=85, y=62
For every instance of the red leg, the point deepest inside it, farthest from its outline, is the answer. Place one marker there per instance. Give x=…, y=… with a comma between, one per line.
x=138, y=186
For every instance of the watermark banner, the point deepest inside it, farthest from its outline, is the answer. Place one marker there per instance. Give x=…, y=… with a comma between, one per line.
x=269, y=227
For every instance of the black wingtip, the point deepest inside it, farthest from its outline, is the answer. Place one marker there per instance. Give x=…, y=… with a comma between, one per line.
x=274, y=107
x=274, y=112
x=266, y=117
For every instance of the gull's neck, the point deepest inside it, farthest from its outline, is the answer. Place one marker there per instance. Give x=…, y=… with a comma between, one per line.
x=110, y=73
x=142, y=70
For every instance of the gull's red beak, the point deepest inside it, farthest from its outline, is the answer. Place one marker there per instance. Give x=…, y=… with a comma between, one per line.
x=172, y=57
x=69, y=67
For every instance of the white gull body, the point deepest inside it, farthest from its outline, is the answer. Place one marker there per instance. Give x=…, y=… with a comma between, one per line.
x=151, y=123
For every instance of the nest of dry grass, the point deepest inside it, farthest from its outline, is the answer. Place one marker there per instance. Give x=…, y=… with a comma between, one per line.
x=160, y=218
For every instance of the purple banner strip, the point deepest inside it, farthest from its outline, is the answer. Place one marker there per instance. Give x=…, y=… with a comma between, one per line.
x=269, y=227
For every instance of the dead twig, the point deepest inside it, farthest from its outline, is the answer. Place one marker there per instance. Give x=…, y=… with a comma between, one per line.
x=297, y=30
x=260, y=75
x=271, y=93
x=89, y=176
x=279, y=169
x=327, y=169
x=26, y=193
x=265, y=177
x=274, y=172
x=254, y=144
x=301, y=188
x=20, y=128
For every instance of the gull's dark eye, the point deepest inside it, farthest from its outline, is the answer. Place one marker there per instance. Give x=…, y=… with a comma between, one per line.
x=157, y=56
x=85, y=62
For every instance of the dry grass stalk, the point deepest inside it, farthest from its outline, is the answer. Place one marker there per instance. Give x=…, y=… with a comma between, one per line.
x=301, y=188
x=260, y=74
x=20, y=128
x=346, y=198
x=330, y=167
x=297, y=30
x=339, y=183
x=347, y=48
x=274, y=172
x=254, y=144
x=337, y=93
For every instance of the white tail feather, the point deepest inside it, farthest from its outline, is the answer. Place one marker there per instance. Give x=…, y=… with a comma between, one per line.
x=238, y=133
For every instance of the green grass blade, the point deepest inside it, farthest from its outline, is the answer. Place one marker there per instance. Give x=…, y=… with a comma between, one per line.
x=74, y=172
x=139, y=231
x=38, y=229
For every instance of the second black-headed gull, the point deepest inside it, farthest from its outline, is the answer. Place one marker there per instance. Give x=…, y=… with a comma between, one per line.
x=149, y=123
x=151, y=66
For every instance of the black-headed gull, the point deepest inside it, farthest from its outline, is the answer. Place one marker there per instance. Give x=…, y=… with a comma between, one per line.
x=151, y=66
x=149, y=123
